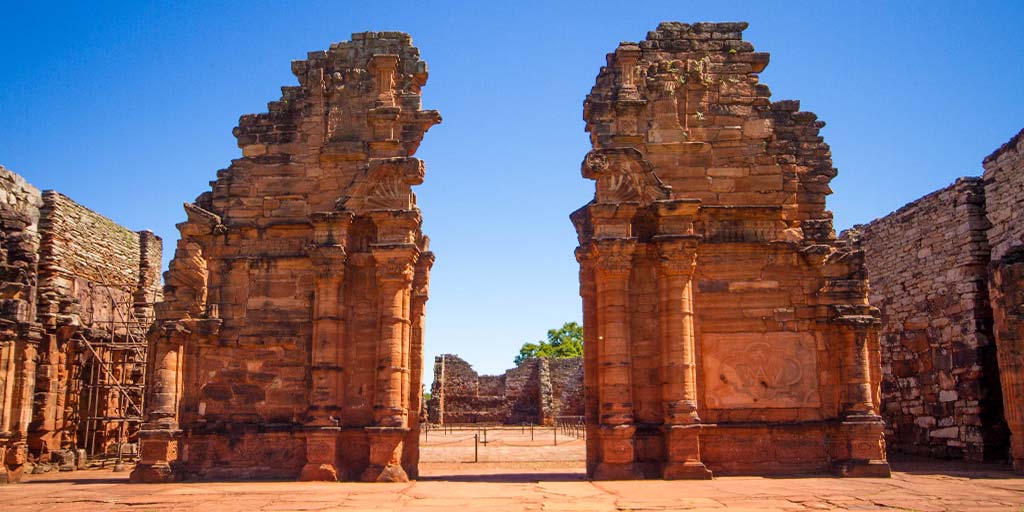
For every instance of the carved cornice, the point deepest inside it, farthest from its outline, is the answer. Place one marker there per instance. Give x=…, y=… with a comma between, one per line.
x=200, y=222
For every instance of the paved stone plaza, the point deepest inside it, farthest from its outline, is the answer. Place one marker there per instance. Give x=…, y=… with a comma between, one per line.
x=915, y=485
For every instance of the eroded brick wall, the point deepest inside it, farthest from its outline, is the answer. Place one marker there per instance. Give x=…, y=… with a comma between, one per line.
x=67, y=272
x=97, y=282
x=1004, y=192
x=945, y=270
x=928, y=273
x=536, y=391
x=19, y=331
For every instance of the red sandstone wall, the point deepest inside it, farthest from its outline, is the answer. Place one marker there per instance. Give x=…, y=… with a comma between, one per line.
x=714, y=290
x=19, y=332
x=927, y=265
x=534, y=392
x=94, y=276
x=64, y=266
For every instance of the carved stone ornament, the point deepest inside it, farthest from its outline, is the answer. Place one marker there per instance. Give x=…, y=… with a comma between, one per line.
x=623, y=175
x=614, y=256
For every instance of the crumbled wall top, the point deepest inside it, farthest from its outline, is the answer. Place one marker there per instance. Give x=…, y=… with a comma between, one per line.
x=689, y=100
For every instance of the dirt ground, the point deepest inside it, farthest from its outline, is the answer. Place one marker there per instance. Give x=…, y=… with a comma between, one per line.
x=543, y=477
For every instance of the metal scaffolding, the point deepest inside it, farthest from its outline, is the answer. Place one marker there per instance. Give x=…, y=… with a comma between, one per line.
x=113, y=375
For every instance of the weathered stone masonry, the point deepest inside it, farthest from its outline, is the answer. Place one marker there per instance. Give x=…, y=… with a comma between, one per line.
x=71, y=278
x=928, y=271
x=290, y=341
x=536, y=391
x=20, y=332
x=946, y=270
x=1004, y=196
x=725, y=328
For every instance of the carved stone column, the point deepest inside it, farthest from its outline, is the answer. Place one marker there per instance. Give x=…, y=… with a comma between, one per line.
x=862, y=453
x=1006, y=287
x=160, y=434
x=327, y=352
x=418, y=304
x=7, y=365
x=395, y=271
x=18, y=369
x=613, y=263
x=678, y=369
x=588, y=292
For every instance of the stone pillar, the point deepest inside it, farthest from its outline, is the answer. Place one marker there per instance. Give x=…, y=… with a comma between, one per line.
x=160, y=434
x=327, y=255
x=326, y=363
x=8, y=365
x=418, y=304
x=1007, y=292
x=47, y=414
x=862, y=450
x=678, y=369
x=26, y=350
x=395, y=271
x=588, y=292
x=613, y=263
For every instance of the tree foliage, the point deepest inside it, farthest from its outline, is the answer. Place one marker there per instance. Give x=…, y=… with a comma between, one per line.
x=564, y=342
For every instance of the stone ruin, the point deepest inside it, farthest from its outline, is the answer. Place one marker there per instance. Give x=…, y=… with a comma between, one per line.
x=289, y=344
x=946, y=272
x=536, y=392
x=726, y=329
x=76, y=296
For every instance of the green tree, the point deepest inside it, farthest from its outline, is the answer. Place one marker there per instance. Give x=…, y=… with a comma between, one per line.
x=564, y=342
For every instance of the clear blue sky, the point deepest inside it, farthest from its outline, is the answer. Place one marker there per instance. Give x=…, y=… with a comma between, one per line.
x=128, y=108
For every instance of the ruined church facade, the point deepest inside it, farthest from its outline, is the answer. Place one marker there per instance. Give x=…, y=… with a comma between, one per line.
x=290, y=341
x=726, y=330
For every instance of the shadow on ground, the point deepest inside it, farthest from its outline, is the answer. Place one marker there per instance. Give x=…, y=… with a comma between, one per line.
x=507, y=477
x=918, y=465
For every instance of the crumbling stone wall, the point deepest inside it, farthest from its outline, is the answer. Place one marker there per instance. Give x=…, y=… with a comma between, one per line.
x=61, y=264
x=928, y=272
x=289, y=344
x=725, y=327
x=945, y=272
x=1004, y=193
x=19, y=331
x=97, y=282
x=536, y=391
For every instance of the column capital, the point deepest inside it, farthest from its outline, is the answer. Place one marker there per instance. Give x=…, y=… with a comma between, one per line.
x=678, y=254
x=396, y=227
x=327, y=255
x=613, y=255
x=396, y=262
x=331, y=227
x=421, y=281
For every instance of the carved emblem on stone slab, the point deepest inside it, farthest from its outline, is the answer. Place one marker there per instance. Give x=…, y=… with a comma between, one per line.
x=771, y=370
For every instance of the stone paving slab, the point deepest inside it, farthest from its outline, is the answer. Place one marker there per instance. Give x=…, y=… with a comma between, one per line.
x=552, y=487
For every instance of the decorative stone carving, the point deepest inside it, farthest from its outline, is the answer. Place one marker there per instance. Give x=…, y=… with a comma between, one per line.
x=695, y=211
x=309, y=248
x=776, y=370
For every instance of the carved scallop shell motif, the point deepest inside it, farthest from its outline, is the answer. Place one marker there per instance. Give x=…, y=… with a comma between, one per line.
x=392, y=194
x=617, y=187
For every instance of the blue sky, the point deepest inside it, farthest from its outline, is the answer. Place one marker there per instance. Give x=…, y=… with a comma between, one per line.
x=128, y=108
